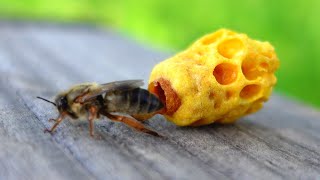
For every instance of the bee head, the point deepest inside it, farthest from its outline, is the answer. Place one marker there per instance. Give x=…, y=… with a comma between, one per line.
x=62, y=103
x=63, y=106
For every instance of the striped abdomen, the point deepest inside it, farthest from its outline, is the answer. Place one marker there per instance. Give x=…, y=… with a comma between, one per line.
x=135, y=101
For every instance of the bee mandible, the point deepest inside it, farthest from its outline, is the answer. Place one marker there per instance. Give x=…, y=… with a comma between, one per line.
x=91, y=100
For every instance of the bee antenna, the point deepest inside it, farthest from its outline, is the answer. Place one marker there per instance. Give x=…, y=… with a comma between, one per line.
x=47, y=100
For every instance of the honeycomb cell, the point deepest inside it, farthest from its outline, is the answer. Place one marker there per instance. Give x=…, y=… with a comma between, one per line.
x=267, y=54
x=256, y=105
x=230, y=48
x=225, y=73
x=217, y=103
x=209, y=39
x=251, y=70
x=162, y=88
x=229, y=94
x=212, y=95
x=264, y=65
x=250, y=91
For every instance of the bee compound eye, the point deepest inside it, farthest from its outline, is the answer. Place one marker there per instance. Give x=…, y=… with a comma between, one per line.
x=63, y=102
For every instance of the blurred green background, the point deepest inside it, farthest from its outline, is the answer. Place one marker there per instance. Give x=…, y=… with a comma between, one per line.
x=291, y=26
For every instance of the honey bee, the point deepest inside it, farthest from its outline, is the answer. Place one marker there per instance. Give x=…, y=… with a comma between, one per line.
x=91, y=100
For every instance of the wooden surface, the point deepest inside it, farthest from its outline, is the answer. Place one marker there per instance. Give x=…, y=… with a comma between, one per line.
x=280, y=142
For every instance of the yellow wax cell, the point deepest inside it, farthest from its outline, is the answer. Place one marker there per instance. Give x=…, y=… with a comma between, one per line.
x=219, y=78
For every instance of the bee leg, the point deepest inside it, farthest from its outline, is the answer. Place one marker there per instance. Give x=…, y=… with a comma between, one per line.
x=132, y=123
x=57, y=122
x=79, y=99
x=92, y=115
x=143, y=117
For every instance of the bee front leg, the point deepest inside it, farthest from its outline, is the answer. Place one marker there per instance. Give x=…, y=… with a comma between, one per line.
x=92, y=116
x=132, y=123
x=57, y=122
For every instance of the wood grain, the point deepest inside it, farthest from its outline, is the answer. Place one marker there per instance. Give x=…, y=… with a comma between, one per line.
x=280, y=142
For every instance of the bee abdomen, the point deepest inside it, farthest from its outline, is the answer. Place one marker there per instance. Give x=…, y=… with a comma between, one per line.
x=144, y=101
x=135, y=101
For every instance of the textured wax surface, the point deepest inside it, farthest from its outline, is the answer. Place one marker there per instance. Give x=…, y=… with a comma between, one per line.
x=219, y=78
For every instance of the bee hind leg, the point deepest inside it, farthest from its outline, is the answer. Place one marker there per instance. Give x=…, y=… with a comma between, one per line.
x=132, y=123
x=143, y=117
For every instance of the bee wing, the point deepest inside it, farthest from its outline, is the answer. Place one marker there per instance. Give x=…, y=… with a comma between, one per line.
x=121, y=85
x=113, y=86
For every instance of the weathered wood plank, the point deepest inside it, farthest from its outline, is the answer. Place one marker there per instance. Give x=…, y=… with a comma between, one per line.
x=26, y=152
x=281, y=141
